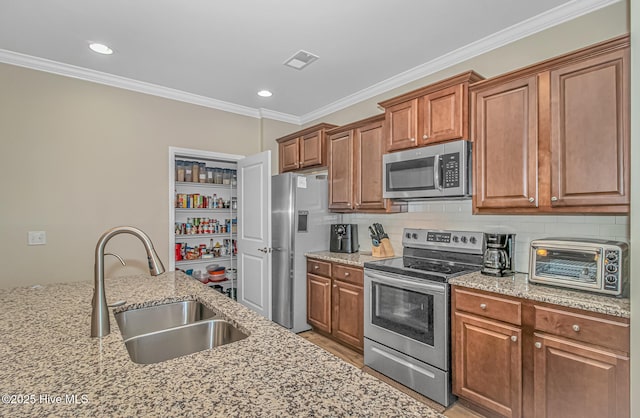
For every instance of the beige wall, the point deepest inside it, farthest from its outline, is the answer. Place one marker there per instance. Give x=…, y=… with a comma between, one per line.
x=77, y=158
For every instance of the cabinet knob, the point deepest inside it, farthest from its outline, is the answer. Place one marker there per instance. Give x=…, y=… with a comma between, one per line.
x=531, y=199
x=538, y=345
x=483, y=306
x=335, y=285
x=425, y=136
x=412, y=139
x=554, y=199
x=514, y=338
x=576, y=328
x=316, y=267
x=346, y=274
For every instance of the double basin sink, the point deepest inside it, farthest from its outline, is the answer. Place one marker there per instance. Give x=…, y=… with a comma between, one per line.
x=162, y=332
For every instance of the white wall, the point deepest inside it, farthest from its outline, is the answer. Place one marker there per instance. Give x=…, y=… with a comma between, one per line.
x=456, y=215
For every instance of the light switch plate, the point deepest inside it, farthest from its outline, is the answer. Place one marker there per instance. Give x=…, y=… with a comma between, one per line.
x=37, y=238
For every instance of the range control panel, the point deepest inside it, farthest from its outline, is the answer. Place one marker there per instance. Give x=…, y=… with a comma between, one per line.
x=435, y=239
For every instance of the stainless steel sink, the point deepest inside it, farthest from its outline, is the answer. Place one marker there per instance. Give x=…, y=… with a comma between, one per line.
x=155, y=318
x=175, y=342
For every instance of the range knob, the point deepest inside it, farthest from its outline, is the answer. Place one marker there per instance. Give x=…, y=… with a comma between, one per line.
x=408, y=235
x=455, y=238
x=414, y=236
x=463, y=239
x=473, y=240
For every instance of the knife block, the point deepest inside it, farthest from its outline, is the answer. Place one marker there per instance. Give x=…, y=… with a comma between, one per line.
x=383, y=250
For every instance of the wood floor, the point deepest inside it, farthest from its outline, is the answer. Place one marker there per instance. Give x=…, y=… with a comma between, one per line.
x=454, y=411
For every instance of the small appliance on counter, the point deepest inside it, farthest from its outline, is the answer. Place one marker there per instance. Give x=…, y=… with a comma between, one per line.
x=499, y=256
x=595, y=265
x=344, y=238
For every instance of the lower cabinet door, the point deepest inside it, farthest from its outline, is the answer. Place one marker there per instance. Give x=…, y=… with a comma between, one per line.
x=348, y=313
x=488, y=364
x=575, y=380
x=319, y=302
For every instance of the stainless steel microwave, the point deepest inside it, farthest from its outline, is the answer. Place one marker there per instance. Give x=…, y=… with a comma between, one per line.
x=435, y=171
x=594, y=265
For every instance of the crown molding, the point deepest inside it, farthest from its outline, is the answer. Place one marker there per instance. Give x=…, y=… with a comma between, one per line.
x=545, y=20
x=279, y=116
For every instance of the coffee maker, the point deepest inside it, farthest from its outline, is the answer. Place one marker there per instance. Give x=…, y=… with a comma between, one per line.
x=500, y=254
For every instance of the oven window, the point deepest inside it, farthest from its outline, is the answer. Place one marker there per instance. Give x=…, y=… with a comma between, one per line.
x=580, y=266
x=411, y=175
x=403, y=311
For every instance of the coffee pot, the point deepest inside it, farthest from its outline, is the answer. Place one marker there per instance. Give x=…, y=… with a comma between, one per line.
x=499, y=256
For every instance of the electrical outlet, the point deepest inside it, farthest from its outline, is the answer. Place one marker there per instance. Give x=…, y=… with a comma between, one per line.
x=37, y=237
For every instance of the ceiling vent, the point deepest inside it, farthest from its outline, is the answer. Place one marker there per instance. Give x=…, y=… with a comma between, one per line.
x=300, y=60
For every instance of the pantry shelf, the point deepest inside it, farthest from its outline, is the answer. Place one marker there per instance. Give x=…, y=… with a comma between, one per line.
x=187, y=236
x=204, y=260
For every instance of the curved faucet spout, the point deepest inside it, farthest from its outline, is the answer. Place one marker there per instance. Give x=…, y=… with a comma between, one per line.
x=100, y=325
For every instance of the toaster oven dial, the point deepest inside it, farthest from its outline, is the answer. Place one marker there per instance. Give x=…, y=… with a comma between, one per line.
x=612, y=256
x=611, y=268
x=611, y=278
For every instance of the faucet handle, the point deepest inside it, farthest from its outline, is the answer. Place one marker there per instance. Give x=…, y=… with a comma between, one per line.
x=117, y=256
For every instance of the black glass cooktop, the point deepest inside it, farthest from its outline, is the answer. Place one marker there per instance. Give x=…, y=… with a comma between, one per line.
x=435, y=270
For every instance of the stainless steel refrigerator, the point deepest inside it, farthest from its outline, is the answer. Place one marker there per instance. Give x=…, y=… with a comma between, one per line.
x=299, y=224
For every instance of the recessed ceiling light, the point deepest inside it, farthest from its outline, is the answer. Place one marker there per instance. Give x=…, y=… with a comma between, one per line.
x=265, y=93
x=100, y=48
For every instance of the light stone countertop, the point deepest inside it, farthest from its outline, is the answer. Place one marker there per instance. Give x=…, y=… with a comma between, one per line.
x=47, y=353
x=355, y=259
x=519, y=286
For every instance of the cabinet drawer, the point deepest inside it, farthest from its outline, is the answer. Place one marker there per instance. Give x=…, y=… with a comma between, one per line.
x=353, y=275
x=489, y=306
x=586, y=328
x=321, y=268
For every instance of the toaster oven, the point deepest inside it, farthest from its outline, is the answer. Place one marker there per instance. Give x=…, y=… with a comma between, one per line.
x=594, y=265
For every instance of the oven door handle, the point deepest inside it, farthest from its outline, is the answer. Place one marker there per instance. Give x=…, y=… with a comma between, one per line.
x=406, y=283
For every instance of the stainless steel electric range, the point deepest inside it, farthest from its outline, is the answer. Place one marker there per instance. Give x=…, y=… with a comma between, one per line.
x=406, y=305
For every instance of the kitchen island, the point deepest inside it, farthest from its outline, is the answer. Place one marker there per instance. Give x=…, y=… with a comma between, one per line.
x=50, y=365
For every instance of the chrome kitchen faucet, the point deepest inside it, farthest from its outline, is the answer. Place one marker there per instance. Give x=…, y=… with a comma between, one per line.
x=100, y=314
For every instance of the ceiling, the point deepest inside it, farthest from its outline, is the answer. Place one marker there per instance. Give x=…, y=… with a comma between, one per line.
x=220, y=53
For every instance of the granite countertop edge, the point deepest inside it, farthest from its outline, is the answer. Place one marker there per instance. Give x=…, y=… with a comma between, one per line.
x=355, y=259
x=518, y=286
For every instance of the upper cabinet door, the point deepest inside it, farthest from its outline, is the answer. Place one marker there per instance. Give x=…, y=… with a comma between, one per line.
x=441, y=115
x=402, y=125
x=312, y=149
x=505, y=148
x=369, y=145
x=590, y=132
x=289, y=155
x=341, y=170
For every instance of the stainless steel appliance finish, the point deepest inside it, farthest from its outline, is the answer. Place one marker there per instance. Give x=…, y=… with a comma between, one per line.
x=595, y=265
x=344, y=238
x=499, y=255
x=407, y=313
x=435, y=171
x=300, y=223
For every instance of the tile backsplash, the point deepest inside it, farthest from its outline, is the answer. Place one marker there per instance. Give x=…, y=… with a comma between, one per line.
x=456, y=215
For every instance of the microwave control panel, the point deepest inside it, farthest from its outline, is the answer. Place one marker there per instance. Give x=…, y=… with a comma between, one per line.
x=451, y=169
x=612, y=270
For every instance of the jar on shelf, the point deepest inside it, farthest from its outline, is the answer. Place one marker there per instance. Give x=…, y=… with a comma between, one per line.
x=226, y=176
x=203, y=173
x=179, y=170
x=188, y=173
x=217, y=175
x=209, y=175
x=195, y=172
x=234, y=177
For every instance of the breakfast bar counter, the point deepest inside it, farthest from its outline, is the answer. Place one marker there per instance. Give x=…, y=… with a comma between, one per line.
x=51, y=366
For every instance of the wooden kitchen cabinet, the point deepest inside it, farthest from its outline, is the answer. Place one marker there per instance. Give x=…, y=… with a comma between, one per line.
x=554, y=137
x=355, y=168
x=335, y=301
x=435, y=113
x=303, y=149
x=515, y=357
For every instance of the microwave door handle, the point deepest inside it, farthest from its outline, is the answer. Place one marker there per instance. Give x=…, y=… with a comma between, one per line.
x=436, y=172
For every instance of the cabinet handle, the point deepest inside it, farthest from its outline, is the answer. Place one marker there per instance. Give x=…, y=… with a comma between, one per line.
x=483, y=306
x=316, y=267
x=425, y=136
x=554, y=199
x=576, y=328
x=412, y=140
x=538, y=345
x=531, y=199
x=346, y=274
x=514, y=338
x=335, y=285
